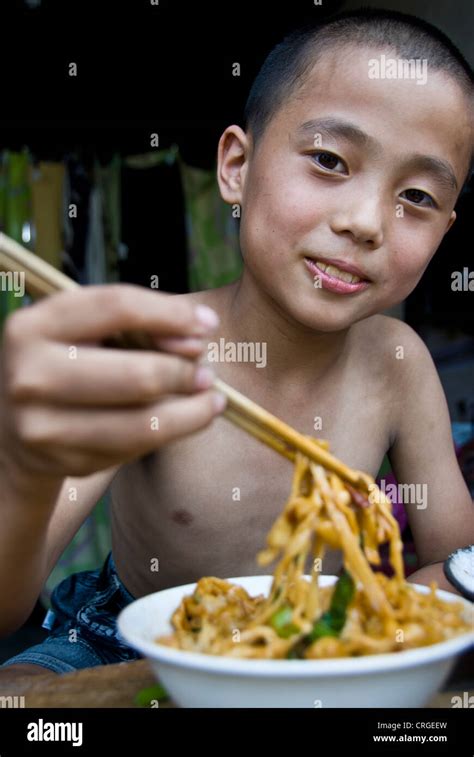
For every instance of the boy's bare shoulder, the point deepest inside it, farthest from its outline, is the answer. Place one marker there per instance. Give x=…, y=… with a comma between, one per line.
x=393, y=353
x=390, y=338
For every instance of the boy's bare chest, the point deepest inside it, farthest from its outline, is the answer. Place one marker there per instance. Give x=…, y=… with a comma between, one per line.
x=203, y=505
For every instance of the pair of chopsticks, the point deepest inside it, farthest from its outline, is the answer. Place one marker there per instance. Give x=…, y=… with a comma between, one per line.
x=42, y=279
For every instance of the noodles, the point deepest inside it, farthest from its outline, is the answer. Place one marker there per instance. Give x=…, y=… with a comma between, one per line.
x=364, y=613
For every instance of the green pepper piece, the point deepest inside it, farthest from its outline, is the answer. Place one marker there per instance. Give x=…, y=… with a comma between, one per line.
x=322, y=627
x=145, y=697
x=281, y=622
x=341, y=599
x=342, y=595
x=331, y=622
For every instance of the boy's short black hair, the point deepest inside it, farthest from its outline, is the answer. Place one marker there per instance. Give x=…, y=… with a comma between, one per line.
x=287, y=65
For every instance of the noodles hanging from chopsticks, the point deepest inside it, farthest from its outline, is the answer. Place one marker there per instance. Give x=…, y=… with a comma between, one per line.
x=364, y=613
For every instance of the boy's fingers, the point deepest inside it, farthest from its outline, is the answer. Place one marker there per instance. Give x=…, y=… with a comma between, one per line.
x=183, y=416
x=98, y=376
x=186, y=346
x=95, y=312
x=122, y=434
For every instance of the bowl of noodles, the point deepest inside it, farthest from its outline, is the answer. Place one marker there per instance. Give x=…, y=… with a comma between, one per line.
x=298, y=638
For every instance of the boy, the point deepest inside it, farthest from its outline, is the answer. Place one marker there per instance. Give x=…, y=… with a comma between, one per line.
x=347, y=183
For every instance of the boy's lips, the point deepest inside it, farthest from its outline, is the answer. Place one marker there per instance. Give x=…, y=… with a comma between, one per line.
x=337, y=275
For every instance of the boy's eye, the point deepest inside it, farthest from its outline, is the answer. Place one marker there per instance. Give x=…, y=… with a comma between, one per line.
x=418, y=197
x=328, y=160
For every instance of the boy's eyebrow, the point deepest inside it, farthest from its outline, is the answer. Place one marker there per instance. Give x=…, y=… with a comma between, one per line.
x=441, y=170
x=336, y=127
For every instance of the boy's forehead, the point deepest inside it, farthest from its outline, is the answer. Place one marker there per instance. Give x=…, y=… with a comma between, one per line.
x=362, y=76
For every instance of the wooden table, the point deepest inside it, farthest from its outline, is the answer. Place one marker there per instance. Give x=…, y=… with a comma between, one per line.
x=110, y=686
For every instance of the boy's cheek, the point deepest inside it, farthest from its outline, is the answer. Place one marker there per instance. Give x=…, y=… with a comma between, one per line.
x=400, y=279
x=268, y=231
x=279, y=234
x=280, y=204
x=409, y=255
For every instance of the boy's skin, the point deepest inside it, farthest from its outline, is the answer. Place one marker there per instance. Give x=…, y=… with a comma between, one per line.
x=328, y=355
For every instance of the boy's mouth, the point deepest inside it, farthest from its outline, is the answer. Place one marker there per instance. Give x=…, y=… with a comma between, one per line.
x=337, y=276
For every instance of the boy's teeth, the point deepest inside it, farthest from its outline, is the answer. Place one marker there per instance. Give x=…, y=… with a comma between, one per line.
x=337, y=273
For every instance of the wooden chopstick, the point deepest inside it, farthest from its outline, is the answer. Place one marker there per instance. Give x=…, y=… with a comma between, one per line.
x=254, y=429
x=42, y=279
x=280, y=436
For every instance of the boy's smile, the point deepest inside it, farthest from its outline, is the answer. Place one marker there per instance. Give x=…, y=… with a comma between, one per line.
x=336, y=275
x=353, y=182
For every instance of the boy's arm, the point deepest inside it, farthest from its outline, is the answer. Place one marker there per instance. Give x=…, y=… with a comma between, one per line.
x=423, y=453
x=77, y=499
x=38, y=522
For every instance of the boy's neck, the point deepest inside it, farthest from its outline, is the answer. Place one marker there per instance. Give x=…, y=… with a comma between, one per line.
x=293, y=351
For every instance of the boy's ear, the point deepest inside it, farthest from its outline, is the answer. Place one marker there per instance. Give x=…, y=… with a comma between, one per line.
x=232, y=162
x=452, y=218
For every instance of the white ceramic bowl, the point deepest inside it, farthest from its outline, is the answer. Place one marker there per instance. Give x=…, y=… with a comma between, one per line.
x=400, y=679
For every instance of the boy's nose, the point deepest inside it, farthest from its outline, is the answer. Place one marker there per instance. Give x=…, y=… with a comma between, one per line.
x=362, y=221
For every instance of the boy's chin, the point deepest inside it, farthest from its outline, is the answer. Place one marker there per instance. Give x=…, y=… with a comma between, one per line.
x=324, y=318
x=329, y=325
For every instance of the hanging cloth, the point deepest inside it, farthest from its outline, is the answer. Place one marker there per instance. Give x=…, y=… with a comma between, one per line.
x=108, y=179
x=214, y=257
x=47, y=181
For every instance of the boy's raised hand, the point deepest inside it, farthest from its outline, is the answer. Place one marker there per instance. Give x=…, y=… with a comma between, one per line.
x=70, y=406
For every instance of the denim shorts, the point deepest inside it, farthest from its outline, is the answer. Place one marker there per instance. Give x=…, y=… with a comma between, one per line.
x=82, y=623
